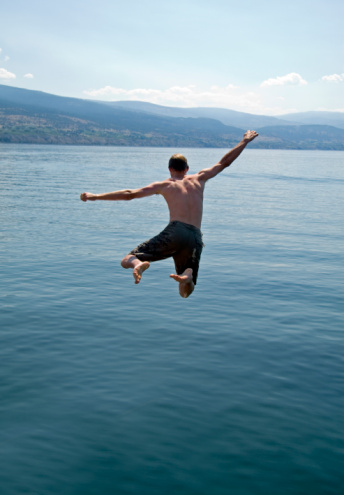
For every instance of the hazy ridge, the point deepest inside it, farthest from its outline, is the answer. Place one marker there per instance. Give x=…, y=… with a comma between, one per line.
x=28, y=116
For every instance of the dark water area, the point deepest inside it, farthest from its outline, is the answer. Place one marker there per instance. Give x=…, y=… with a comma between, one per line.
x=111, y=388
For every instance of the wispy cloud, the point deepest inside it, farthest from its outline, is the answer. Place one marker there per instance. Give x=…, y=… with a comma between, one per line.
x=28, y=76
x=175, y=94
x=326, y=109
x=333, y=78
x=5, y=74
x=184, y=96
x=6, y=57
x=289, y=79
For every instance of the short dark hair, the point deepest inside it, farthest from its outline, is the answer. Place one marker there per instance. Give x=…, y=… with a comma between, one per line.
x=178, y=162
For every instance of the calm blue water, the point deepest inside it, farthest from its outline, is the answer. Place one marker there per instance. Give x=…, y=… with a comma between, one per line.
x=111, y=388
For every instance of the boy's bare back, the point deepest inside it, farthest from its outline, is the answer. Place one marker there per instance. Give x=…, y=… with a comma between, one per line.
x=184, y=198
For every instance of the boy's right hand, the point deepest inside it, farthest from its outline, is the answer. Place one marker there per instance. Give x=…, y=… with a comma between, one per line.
x=250, y=135
x=86, y=196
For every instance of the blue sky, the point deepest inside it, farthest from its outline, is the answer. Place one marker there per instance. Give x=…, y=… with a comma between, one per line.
x=264, y=57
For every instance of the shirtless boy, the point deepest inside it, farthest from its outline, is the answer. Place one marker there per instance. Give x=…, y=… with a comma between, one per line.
x=182, y=238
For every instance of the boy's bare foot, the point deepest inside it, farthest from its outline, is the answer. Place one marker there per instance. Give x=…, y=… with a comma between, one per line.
x=139, y=269
x=185, y=277
x=186, y=285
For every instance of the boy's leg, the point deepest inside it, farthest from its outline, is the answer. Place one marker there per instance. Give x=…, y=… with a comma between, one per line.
x=130, y=261
x=157, y=248
x=186, y=284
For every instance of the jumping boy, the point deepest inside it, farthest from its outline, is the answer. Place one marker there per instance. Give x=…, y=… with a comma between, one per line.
x=182, y=238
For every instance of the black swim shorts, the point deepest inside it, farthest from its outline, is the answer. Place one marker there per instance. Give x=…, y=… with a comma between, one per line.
x=181, y=241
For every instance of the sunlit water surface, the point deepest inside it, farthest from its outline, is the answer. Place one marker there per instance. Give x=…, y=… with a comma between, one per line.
x=111, y=388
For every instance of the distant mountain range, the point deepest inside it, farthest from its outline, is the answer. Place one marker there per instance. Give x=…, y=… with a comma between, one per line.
x=234, y=118
x=36, y=117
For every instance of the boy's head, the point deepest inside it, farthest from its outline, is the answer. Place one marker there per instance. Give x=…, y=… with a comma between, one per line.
x=179, y=163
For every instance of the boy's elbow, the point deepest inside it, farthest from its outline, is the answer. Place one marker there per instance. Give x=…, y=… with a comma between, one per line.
x=129, y=194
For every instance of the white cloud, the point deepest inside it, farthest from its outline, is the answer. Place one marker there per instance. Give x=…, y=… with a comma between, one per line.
x=185, y=96
x=292, y=78
x=29, y=76
x=6, y=57
x=5, y=74
x=333, y=78
x=325, y=109
x=231, y=97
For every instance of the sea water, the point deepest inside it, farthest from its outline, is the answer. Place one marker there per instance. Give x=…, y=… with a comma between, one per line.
x=108, y=387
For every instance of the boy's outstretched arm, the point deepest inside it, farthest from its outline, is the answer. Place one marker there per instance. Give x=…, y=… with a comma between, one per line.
x=229, y=157
x=125, y=195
